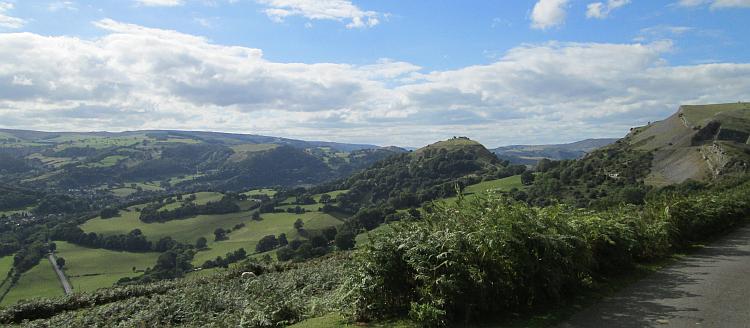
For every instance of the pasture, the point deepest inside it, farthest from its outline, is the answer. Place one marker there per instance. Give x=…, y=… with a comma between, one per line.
x=40, y=281
x=89, y=269
x=271, y=224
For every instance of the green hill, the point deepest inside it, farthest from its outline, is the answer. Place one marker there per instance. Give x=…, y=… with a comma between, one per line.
x=699, y=142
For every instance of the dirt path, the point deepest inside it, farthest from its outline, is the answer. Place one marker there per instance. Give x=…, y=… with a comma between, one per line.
x=60, y=275
x=710, y=288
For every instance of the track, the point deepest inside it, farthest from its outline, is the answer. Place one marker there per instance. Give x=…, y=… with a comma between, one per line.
x=710, y=288
x=60, y=275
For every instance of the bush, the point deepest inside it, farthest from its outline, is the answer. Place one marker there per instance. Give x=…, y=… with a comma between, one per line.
x=493, y=255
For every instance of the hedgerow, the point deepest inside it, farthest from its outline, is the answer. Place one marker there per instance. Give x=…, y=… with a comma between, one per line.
x=492, y=255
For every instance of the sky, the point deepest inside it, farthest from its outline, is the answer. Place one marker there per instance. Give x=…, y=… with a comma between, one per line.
x=385, y=72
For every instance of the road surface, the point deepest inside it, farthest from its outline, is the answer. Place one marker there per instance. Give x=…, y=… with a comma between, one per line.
x=710, y=288
x=60, y=275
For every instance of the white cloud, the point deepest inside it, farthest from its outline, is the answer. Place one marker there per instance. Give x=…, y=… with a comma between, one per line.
x=548, y=13
x=601, y=10
x=160, y=3
x=9, y=21
x=716, y=4
x=338, y=10
x=141, y=78
x=62, y=5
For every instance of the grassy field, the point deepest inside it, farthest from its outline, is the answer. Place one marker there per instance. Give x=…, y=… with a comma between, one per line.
x=40, y=281
x=242, y=152
x=272, y=224
x=333, y=194
x=698, y=114
x=186, y=231
x=89, y=269
x=184, y=178
x=123, y=192
x=6, y=263
x=11, y=212
x=107, y=161
x=201, y=198
x=256, y=192
x=499, y=185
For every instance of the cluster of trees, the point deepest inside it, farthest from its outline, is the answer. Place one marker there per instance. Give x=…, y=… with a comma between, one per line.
x=134, y=241
x=12, y=165
x=410, y=179
x=231, y=257
x=12, y=198
x=317, y=244
x=152, y=213
x=605, y=178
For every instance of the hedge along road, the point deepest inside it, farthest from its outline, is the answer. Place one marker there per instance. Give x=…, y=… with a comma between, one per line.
x=60, y=275
x=707, y=289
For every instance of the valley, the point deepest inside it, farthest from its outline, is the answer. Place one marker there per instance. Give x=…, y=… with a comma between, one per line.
x=149, y=213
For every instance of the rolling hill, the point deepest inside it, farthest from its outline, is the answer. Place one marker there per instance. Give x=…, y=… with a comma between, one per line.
x=531, y=154
x=179, y=160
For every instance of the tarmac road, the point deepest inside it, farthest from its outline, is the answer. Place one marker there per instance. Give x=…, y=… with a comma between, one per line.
x=60, y=275
x=710, y=288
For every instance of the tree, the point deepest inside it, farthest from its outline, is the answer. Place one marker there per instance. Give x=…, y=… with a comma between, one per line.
x=256, y=216
x=266, y=243
x=298, y=225
x=201, y=243
x=325, y=198
x=527, y=178
x=344, y=240
x=220, y=234
x=282, y=240
x=60, y=262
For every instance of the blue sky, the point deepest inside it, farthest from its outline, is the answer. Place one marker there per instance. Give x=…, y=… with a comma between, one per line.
x=384, y=72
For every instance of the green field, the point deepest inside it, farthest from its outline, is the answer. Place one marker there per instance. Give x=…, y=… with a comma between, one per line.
x=123, y=192
x=21, y=211
x=505, y=184
x=272, y=224
x=107, y=161
x=6, y=264
x=201, y=198
x=257, y=192
x=333, y=194
x=40, y=281
x=186, y=230
x=89, y=269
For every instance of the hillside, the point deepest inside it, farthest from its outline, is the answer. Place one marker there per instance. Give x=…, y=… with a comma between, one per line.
x=531, y=154
x=129, y=162
x=410, y=179
x=698, y=142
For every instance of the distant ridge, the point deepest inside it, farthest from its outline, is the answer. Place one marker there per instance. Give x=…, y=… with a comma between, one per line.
x=531, y=154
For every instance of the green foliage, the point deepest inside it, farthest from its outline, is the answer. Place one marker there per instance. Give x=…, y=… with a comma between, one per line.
x=278, y=296
x=491, y=255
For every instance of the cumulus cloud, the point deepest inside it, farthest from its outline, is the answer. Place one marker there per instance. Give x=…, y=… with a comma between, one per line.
x=548, y=13
x=601, y=10
x=160, y=3
x=135, y=77
x=338, y=10
x=716, y=4
x=7, y=21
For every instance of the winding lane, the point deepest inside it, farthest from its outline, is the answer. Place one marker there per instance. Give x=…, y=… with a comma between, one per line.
x=710, y=288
